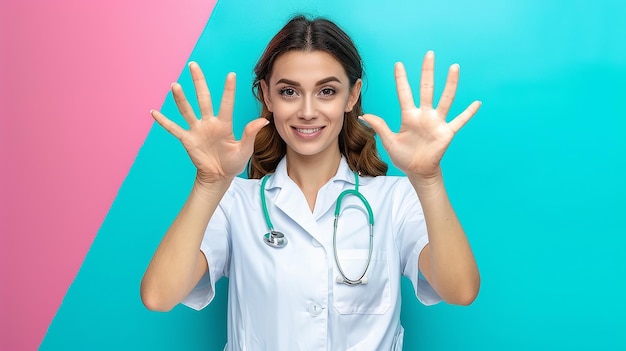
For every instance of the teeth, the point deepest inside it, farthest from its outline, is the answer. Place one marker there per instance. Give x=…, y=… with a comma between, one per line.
x=308, y=131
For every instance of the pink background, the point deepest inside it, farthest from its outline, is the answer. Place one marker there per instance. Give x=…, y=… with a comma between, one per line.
x=65, y=66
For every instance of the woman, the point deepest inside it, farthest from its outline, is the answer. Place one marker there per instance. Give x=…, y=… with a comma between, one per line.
x=325, y=284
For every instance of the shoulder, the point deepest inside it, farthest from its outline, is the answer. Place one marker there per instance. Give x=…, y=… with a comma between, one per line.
x=241, y=190
x=244, y=185
x=385, y=183
x=396, y=190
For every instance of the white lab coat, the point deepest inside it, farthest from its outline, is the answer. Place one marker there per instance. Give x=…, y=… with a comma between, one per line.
x=287, y=298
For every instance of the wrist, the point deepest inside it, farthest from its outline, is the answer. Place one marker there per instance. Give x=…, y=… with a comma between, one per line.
x=427, y=186
x=216, y=187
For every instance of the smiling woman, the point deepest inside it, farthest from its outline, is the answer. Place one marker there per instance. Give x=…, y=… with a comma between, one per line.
x=314, y=154
x=335, y=50
x=308, y=96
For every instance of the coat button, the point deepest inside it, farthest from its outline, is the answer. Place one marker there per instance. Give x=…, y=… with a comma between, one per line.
x=315, y=243
x=315, y=309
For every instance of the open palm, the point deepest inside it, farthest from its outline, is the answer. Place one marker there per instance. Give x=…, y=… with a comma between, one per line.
x=210, y=141
x=424, y=135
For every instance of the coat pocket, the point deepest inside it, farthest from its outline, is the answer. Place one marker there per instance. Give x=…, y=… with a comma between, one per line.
x=374, y=297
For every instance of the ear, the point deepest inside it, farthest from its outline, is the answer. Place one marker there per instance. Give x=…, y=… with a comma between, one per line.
x=355, y=92
x=266, y=95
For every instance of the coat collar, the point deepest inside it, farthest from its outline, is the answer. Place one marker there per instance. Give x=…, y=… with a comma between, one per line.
x=280, y=178
x=288, y=198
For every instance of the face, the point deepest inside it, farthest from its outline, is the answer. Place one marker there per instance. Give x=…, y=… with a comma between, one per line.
x=308, y=94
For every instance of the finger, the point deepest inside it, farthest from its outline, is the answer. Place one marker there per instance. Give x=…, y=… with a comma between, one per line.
x=183, y=104
x=249, y=134
x=167, y=124
x=459, y=121
x=449, y=91
x=202, y=90
x=427, y=81
x=228, y=98
x=380, y=127
x=405, y=95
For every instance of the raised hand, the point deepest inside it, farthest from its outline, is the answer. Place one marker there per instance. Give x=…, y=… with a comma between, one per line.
x=424, y=136
x=209, y=141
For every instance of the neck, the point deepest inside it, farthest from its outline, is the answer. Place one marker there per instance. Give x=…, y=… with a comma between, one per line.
x=310, y=173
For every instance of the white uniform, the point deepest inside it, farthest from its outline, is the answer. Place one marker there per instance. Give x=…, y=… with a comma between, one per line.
x=287, y=298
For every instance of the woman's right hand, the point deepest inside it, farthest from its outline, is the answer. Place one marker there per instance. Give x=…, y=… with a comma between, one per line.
x=209, y=141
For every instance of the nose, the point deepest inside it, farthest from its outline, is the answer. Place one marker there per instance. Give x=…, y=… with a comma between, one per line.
x=308, y=109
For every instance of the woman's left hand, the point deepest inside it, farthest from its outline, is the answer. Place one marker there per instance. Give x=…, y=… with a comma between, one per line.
x=424, y=136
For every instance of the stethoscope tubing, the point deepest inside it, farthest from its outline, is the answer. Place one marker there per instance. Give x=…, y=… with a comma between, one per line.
x=344, y=278
x=274, y=238
x=277, y=239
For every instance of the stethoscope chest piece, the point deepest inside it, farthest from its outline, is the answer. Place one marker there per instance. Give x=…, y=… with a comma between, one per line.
x=275, y=239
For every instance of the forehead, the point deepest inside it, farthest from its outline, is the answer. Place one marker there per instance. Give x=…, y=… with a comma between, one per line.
x=307, y=67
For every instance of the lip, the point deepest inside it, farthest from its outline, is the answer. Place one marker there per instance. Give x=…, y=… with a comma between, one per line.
x=308, y=132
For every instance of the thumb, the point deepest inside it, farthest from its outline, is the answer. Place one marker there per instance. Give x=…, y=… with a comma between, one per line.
x=249, y=134
x=380, y=127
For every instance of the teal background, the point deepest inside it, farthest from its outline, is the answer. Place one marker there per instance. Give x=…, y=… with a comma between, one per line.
x=536, y=177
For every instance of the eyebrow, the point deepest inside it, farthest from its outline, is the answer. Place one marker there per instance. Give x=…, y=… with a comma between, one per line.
x=296, y=84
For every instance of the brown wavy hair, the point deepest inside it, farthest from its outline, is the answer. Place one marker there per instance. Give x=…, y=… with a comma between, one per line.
x=357, y=141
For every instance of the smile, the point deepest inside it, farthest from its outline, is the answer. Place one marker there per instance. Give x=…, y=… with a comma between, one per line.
x=308, y=130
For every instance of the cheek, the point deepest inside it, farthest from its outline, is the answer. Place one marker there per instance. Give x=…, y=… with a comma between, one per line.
x=282, y=114
x=283, y=111
x=336, y=109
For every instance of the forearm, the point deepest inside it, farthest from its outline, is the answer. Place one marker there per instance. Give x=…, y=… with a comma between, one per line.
x=449, y=263
x=175, y=268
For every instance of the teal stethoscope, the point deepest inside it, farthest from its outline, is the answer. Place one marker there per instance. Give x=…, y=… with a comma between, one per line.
x=278, y=240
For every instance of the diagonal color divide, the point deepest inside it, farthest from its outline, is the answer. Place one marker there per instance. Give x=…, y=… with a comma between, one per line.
x=82, y=77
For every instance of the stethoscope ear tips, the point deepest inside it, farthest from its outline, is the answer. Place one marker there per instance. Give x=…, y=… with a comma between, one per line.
x=275, y=239
x=341, y=280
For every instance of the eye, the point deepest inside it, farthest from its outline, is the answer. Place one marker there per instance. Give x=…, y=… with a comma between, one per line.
x=327, y=92
x=288, y=92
